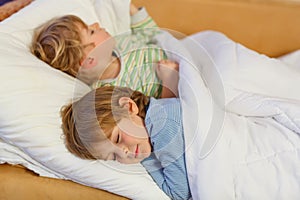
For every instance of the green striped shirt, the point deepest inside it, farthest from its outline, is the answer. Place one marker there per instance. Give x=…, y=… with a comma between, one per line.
x=138, y=58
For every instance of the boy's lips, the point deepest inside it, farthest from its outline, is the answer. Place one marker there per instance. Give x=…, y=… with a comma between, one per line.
x=136, y=151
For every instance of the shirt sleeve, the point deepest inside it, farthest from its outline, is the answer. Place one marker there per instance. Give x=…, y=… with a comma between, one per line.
x=143, y=26
x=167, y=164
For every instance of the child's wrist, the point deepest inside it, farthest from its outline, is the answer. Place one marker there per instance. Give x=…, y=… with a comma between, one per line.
x=141, y=15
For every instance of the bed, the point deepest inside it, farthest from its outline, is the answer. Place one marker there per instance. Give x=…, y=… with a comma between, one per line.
x=271, y=28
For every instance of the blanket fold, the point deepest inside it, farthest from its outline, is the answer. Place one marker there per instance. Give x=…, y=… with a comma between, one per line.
x=241, y=117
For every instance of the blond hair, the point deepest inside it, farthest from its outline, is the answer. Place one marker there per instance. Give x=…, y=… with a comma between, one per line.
x=92, y=118
x=58, y=43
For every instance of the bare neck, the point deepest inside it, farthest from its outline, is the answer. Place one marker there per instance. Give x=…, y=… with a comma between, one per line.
x=113, y=69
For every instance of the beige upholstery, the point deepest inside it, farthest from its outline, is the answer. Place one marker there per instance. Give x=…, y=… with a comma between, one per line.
x=271, y=27
x=18, y=183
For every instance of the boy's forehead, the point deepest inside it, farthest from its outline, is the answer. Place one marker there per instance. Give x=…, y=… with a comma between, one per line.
x=132, y=129
x=81, y=25
x=82, y=29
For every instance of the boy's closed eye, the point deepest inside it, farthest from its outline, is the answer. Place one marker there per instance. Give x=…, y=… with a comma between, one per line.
x=116, y=141
x=115, y=136
x=118, y=138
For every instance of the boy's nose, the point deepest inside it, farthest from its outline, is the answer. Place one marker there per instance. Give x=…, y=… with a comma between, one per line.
x=123, y=151
x=96, y=26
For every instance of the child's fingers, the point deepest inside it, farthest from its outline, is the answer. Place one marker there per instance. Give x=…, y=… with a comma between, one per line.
x=169, y=64
x=166, y=62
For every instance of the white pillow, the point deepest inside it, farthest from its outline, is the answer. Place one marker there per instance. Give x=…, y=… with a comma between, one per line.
x=32, y=94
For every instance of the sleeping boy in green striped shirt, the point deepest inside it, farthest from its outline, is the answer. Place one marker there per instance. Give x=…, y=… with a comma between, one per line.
x=128, y=60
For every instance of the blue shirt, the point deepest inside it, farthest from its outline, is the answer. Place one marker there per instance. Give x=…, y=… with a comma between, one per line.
x=166, y=164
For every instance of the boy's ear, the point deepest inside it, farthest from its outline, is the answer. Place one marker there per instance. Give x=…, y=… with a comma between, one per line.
x=129, y=104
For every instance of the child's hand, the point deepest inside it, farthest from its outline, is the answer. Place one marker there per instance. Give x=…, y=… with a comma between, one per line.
x=133, y=9
x=167, y=72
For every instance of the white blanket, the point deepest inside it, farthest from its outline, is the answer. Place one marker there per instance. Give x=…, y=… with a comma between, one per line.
x=241, y=114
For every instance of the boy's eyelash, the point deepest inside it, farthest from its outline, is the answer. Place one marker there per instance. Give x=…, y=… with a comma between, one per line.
x=118, y=138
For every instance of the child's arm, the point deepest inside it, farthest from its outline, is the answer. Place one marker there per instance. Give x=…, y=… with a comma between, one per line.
x=173, y=180
x=167, y=72
x=142, y=25
x=167, y=165
x=143, y=29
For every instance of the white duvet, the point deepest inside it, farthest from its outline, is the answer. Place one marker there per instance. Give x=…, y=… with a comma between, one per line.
x=241, y=113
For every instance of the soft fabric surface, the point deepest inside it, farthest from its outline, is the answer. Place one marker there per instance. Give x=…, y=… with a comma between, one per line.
x=292, y=59
x=32, y=94
x=242, y=125
x=7, y=8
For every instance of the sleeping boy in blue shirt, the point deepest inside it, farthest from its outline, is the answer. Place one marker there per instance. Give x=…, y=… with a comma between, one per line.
x=117, y=123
